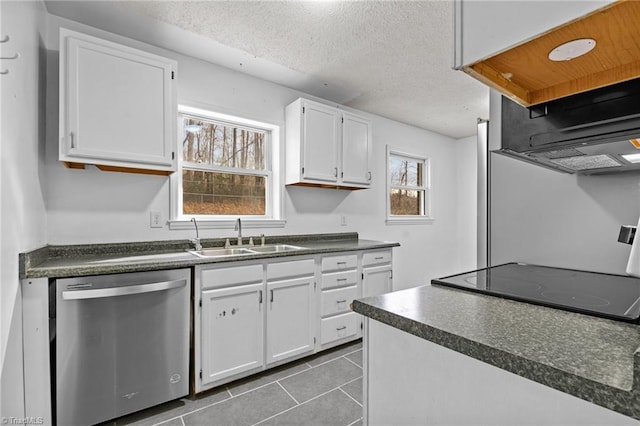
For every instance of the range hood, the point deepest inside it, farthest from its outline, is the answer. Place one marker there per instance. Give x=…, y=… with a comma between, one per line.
x=593, y=132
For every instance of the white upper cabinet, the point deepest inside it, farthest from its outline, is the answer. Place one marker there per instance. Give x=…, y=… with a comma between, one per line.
x=484, y=28
x=507, y=46
x=326, y=147
x=356, y=142
x=117, y=106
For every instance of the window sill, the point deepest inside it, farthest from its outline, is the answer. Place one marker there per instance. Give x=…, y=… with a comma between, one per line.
x=227, y=223
x=410, y=221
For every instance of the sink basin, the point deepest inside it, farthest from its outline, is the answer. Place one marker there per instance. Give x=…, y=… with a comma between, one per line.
x=275, y=248
x=220, y=252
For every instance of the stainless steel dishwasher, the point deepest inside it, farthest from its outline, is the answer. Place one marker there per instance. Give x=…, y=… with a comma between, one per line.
x=122, y=344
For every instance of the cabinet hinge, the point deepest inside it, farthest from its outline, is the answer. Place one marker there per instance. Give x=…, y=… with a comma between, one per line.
x=391, y=274
x=200, y=303
x=303, y=110
x=303, y=171
x=314, y=285
x=314, y=340
x=201, y=374
x=363, y=275
x=342, y=119
x=361, y=326
x=173, y=75
x=173, y=155
x=341, y=174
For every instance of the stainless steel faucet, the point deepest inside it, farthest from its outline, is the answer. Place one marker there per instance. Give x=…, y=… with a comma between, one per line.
x=196, y=240
x=239, y=229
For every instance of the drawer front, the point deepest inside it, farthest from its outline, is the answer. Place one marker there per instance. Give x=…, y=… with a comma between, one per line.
x=339, y=327
x=222, y=277
x=296, y=268
x=342, y=262
x=337, y=301
x=339, y=279
x=376, y=257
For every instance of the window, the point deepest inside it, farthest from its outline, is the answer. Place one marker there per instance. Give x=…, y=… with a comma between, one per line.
x=408, y=188
x=226, y=168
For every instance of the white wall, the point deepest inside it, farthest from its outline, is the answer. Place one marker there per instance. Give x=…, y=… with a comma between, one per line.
x=467, y=202
x=544, y=217
x=88, y=206
x=22, y=217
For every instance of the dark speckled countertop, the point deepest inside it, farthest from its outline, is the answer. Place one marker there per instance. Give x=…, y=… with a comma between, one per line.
x=592, y=358
x=93, y=259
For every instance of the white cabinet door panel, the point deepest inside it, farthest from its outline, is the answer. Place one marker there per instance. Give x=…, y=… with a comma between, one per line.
x=320, y=142
x=376, y=281
x=290, y=318
x=356, y=140
x=232, y=331
x=117, y=104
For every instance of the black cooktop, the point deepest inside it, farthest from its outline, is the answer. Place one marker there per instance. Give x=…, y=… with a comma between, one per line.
x=606, y=295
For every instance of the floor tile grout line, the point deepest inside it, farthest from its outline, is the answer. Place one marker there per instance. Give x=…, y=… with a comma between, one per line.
x=347, y=393
x=351, y=424
x=305, y=402
x=275, y=381
x=287, y=392
x=352, y=362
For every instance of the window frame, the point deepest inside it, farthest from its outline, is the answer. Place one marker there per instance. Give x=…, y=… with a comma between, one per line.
x=426, y=217
x=273, y=174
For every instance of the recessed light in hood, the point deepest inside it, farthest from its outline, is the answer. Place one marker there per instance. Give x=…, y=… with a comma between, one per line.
x=632, y=158
x=572, y=49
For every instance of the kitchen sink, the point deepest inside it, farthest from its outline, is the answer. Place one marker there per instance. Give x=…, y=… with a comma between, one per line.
x=220, y=252
x=275, y=248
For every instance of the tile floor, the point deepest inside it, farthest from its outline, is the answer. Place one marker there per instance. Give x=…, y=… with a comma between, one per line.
x=323, y=389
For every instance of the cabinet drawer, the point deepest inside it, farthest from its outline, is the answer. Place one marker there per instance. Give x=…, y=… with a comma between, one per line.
x=339, y=327
x=296, y=268
x=376, y=257
x=337, y=301
x=231, y=276
x=339, y=279
x=337, y=263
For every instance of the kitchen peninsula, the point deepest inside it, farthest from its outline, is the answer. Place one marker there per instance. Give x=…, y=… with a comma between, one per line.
x=458, y=357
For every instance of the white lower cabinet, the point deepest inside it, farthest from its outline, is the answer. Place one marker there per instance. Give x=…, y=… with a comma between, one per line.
x=254, y=315
x=229, y=323
x=290, y=305
x=290, y=318
x=232, y=332
x=340, y=283
x=377, y=273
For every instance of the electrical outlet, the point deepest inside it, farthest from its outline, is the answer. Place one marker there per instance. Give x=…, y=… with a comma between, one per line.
x=343, y=220
x=156, y=220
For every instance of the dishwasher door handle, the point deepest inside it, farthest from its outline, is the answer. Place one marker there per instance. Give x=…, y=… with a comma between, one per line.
x=122, y=291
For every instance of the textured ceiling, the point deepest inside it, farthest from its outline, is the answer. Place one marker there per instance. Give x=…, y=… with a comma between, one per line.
x=391, y=58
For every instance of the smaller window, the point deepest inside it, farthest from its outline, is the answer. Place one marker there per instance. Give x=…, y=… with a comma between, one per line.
x=408, y=188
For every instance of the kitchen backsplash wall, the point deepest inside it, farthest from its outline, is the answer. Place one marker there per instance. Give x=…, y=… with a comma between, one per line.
x=540, y=216
x=88, y=206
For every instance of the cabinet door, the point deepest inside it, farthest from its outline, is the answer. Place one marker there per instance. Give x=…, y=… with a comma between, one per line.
x=116, y=104
x=290, y=318
x=320, y=142
x=231, y=331
x=356, y=143
x=376, y=280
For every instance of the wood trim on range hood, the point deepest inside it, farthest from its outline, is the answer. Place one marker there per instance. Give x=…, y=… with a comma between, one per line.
x=525, y=74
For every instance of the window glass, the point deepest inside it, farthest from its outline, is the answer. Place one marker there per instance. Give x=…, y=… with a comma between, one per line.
x=225, y=168
x=408, y=186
